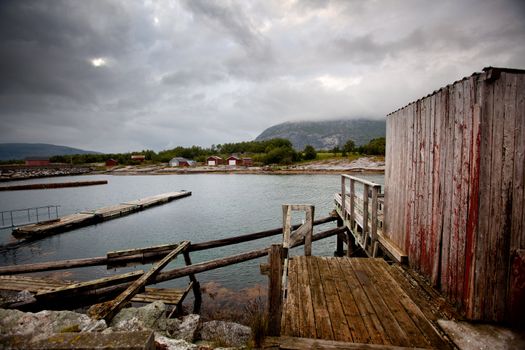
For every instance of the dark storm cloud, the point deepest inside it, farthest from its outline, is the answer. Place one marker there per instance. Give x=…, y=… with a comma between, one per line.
x=117, y=75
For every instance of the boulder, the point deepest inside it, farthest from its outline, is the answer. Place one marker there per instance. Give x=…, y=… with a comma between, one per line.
x=226, y=333
x=14, y=322
x=166, y=343
x=149, y=317
x=185, y=328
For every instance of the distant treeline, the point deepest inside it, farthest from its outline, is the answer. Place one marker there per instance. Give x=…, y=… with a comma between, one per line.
x=274, y=151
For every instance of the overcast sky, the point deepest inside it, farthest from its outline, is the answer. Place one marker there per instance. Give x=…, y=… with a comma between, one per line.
x=116, y=76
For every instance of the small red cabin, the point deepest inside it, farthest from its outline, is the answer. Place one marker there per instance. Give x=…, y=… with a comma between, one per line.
x=138, y=157
x=111, y=162
x=37, y=161
x=247, y=162
x=233, y=160
x=214, y=160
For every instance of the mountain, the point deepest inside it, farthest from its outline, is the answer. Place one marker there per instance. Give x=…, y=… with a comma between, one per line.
x=326, y=134
x=16, y=151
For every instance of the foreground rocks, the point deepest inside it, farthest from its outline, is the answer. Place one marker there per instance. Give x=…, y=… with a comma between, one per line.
x=182, y=333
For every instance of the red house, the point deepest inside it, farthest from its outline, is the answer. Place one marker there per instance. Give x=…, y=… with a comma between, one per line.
x=138, y=157
x=111, y=162
x=37, y=161
x=233, y=160
x=247, y=162
x=214, y=160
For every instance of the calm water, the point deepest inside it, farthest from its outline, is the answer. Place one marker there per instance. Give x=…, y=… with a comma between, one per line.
x=220, y=206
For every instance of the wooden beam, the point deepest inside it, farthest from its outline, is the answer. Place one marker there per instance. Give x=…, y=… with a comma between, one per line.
x=109, y=309
x=295, y=343
x=275, y=296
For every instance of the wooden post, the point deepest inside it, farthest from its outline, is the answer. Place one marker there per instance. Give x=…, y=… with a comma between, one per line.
x=352, y=202
x=365, y=215
x=304, y=231
x=374, y=221
x=275, y=296
x=195, y=284
x=343, y=195
x=340, y=248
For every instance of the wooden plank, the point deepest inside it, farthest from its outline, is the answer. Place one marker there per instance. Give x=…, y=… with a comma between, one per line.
x=42, y=186
x=292, y=314
x=295, y=343
x=376, y=331
x=518, y=210
x=492, y=253
x=109, y=309
x=506, y=201
x=390, y=325
x=308, y=329
x=72, y=289
x=421, y=332
x=322, y=317
x=437, y=181
x=354, y=320
x=340, y=327
x=485, y=178
x=276, y=257
x=473, y=206
x=448, y=209
x=154, y=249
x=169, y=296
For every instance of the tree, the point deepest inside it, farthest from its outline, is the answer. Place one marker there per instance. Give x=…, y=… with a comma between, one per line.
x=349, y=146
x=375, y=147
x=309, y=153
x=336, y=150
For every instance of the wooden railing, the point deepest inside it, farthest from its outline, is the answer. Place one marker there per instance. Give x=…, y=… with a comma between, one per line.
x=360, y=206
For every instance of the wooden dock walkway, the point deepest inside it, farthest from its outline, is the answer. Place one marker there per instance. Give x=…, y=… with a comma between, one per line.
x=357, y=301
x=41, y=286
x=90, y=217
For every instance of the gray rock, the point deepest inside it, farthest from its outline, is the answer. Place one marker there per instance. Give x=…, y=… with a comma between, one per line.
x=186, y=328
x=24, y=296
x=226, y=333
x=13, y=322
x=149, y=317
x=174, y=344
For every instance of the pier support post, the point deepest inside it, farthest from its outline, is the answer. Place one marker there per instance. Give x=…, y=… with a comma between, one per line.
x=340, y=240
x=275, y=296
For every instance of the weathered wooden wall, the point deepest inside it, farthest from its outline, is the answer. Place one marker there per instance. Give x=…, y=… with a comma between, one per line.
x=454, y=197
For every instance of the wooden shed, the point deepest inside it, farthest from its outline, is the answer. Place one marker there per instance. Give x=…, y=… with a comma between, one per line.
x=37, y=161
x=234, y=160
x=111, y=162
x=454, y=191
x=214, y=161
x=138, y=157
x=247, y=161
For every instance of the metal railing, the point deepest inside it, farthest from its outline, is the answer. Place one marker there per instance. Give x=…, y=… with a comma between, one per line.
x=19, y=217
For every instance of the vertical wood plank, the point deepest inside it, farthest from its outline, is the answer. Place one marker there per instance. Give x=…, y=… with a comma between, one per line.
x=485, y=179
x=518, y=210
x=506, y=202
x=474, y=197
x=275, y=257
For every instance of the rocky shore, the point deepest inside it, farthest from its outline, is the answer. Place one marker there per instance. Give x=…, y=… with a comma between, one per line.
x=21, y=330
x=22, y=173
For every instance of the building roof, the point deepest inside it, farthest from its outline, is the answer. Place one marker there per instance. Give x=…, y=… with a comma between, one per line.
x=234, y=157
x=490, y=73
x=214, y=157
x=36, y=158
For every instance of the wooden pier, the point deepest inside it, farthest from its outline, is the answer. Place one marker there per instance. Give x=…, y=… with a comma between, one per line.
x=45, y=186
x=353, y=300
x=85, y=218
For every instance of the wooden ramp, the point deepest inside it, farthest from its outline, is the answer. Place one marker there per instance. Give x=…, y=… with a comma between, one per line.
x=352, y=300
x=35, y=285
x=91, y=217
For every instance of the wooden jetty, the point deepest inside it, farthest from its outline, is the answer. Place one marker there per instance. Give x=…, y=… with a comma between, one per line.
x=85, y=218
x=44, y=186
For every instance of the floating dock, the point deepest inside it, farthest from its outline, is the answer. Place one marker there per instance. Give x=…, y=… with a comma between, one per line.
x=90, y=217
x=44, y=186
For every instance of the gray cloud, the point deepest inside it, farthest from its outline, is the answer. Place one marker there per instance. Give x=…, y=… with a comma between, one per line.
x=118, y=75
